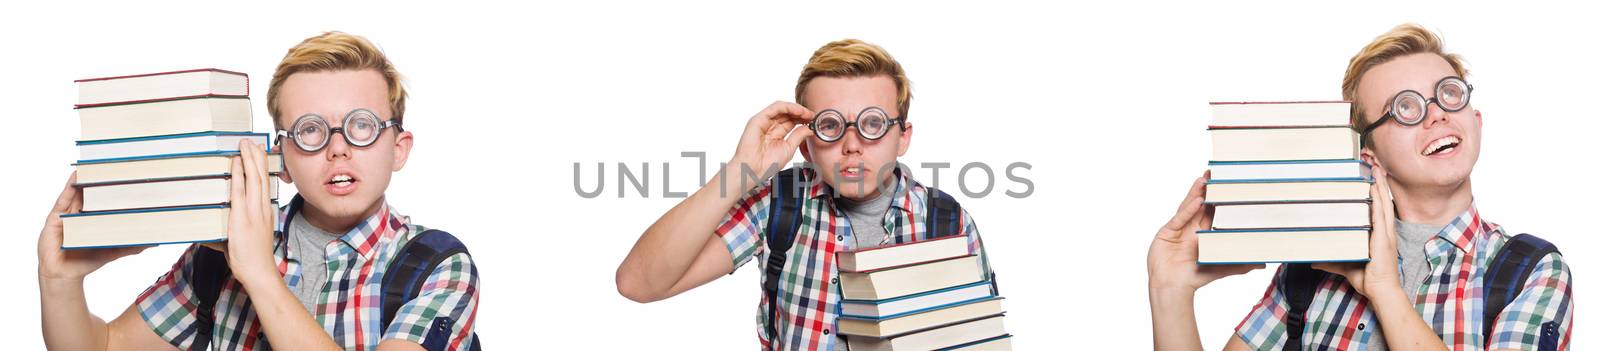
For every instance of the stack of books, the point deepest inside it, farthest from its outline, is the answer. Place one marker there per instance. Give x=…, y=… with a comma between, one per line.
x=928, y=295
x=155, y=157
x=1287, y=184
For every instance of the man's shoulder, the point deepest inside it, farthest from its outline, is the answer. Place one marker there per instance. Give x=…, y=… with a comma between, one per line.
x=930, y=195
x=1498, y=238
x=436, y=236
x=1531, y=242
x=423, y=244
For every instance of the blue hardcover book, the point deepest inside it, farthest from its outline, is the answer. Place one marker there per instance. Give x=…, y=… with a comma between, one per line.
x=166, y=146
x=916, y=303
x=1290, y=171
x=998, y=343
x=921, y=320
x=1288, y=192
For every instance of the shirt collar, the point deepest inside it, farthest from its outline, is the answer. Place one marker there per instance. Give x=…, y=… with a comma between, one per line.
x=1464, y=230
x=364, y=237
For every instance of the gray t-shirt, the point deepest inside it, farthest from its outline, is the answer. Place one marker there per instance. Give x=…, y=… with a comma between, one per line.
x=310, y=247
x=866, y=226
x=1411, y=241
x=866, y=219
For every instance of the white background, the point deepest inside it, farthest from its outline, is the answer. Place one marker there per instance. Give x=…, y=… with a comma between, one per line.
x=1107, y=102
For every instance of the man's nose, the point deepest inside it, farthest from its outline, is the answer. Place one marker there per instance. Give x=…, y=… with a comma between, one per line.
x=852, y=142
x=1436, y=114
x=337, y=146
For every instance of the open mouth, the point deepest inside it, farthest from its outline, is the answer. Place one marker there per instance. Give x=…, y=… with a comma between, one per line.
x=852, y=172
x=341, y=180
x=341, y=184
x=1442, y=146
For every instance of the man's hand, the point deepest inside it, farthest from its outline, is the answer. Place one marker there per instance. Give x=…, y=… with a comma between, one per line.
x=251, y=216
x=769, y=141
x=1382, y=272
x=681, y=251
x=1173, y=256
x=71, y=265
x=1175, y=274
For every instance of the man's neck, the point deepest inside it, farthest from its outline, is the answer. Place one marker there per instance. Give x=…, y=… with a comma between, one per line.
x=1435, y=206
x=332, y=224
x=884, y=188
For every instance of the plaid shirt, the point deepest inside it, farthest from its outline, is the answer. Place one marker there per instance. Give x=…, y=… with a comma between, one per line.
x=809, y=293
x=349, y=308
x=1450, y=300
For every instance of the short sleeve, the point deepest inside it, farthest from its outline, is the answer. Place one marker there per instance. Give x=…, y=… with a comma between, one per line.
x=1540, y=317
x=743, y=227
x=1263, y=328
x=444, y=313
x=169, y=306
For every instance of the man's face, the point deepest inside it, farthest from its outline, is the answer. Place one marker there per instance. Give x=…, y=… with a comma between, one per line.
x=1438, y=152
x=362, y=173
x=855, y=167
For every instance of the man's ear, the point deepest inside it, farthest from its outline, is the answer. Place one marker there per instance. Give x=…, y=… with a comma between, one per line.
x=283, y=165
x=805, y=150
x=402, y=150
x=905, y=139
x=1369, y=156
x=1476, y=113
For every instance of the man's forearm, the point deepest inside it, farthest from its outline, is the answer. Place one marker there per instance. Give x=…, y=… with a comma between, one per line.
x=65, y=318
x=670, y=246
x=1403, y=328
x=1172, y=319
x=284, y=320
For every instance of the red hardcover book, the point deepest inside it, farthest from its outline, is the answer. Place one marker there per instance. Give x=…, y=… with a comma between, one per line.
x=903, y=254
x=162, y=86
x=1279, y=114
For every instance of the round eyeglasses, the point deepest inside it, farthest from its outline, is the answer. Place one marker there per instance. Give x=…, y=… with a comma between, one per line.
x=361, y=128
x=1409, y=108
x=871, y=123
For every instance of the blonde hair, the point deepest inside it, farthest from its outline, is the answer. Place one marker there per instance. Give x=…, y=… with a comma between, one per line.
x=1403, y=40
x=854, y=58
x=336, y=51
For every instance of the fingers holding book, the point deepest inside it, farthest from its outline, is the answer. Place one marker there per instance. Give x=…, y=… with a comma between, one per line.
x=1175, y=250
x=251, y=214
x=58, y=263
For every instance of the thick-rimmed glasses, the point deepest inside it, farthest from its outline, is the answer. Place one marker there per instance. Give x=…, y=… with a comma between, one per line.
x=871, y=123
x=1409, y=108
x=361, y=128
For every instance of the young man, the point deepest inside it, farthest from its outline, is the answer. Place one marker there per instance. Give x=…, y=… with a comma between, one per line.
x=314, y=282
x=1424, y=287
x=863, y=200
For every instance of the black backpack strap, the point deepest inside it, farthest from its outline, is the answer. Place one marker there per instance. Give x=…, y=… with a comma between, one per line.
x=783, y=225
x=1508, y=271
x=407, y=273
x=944, y=214
x=1299, y=287
x=208, y=274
